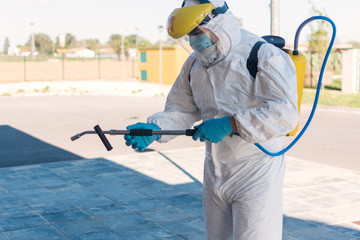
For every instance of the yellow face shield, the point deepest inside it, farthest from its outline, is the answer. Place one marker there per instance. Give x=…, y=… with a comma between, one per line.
x=183, y=20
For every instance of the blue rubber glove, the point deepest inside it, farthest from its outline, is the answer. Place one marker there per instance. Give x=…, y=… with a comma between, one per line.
x=213, y=130
x=141, y=142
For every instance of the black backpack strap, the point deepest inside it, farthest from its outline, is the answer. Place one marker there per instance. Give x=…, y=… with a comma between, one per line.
x=252, y=61
x=192, y=64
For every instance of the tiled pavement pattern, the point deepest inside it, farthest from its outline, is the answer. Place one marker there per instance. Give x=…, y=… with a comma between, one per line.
x=156, y=195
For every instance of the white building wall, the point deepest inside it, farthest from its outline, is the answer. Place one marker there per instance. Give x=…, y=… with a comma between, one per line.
x=351, y=71
x=85, y=53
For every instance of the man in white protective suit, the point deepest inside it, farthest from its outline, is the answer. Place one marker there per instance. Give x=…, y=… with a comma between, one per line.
x=242, y=187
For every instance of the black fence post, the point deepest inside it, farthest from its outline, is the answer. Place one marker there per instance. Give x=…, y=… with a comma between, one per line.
x=63, y=67
x=99, y=71
x=24, y=69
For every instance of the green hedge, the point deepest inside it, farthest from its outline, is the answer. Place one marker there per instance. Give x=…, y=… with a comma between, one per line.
x=332, y=98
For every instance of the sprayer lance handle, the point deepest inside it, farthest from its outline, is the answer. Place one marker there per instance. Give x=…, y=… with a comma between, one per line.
x=190, y=132
x=141, y=132
x=151, y=132
x=103, y=138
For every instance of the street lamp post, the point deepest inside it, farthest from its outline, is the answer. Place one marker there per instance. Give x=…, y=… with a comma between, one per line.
x=123, y=55
x=32, y=40
x=135, y=59
x=275, y=17
x=136, y=37
x=161, y=28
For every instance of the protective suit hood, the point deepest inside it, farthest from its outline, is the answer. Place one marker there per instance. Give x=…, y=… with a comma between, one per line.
x=226, y=28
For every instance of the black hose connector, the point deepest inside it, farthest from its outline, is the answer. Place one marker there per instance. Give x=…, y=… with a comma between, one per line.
x=103, y=138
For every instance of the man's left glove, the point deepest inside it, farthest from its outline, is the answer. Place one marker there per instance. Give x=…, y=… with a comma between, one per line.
x=213, y=130
x=141, y=142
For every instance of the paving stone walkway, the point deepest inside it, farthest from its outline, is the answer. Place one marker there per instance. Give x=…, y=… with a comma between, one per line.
x=155, y=195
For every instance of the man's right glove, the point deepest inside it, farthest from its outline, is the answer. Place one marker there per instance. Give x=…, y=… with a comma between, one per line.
x=213, y=130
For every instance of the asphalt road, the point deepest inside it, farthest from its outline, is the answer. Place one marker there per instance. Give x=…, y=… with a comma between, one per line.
x=38, y=129
x=333, y=137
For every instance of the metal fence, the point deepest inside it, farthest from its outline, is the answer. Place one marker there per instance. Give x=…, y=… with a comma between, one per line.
x=22, y=69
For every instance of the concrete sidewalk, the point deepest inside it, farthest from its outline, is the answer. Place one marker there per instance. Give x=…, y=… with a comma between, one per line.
x=157, y=195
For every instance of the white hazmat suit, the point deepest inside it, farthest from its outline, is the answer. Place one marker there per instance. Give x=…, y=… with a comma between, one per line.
x=242, y=188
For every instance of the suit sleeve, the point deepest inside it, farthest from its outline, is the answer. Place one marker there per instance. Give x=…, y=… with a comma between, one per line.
x=180, y=111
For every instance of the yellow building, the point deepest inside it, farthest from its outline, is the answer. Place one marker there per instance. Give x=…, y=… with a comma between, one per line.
x=173, y=59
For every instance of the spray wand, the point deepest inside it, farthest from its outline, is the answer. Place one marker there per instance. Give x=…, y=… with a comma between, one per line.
x=131, y=132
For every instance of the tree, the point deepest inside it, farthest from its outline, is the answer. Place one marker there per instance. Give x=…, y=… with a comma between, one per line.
x=142, y=42
x=115, y=42
x=355, y=44
x=318, y=42
x=91, y=43
x=169, y=42
x=131, y=40
x=43, y=43
x=70, y=42
x=319, y=34
x=6, y=46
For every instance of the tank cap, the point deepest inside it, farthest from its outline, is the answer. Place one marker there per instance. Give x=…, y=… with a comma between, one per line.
x=275, y=40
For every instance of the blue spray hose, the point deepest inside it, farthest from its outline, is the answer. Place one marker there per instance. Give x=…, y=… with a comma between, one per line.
x=296, y=52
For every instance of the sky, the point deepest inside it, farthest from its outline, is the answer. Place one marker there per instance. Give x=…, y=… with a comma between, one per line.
x=102, y=18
